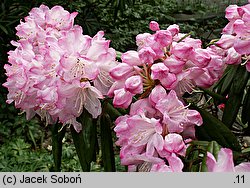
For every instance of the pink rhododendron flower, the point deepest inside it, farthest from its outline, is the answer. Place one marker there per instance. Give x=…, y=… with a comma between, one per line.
x=235, y=37
x=225, y=163
x=56, y=71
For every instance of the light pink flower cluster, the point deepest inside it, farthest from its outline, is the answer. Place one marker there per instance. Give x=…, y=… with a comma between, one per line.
x=235, y=37
x=166, y=65
x=174, y=60
x=156, y=131
x=225, y=163
x=56, y=71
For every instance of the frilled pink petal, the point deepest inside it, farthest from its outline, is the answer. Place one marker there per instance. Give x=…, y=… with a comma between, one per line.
x=121, y=129
x=147, y=55
x=242, y=46
x=143, y=40
x=174, y=64
x=160, y=167
x=154, y=26
x=232, y=12
x=131, y=58
x=142, y=106
x=97, y=48
x=134, y=84
x=200, y=57
x=181, y=50
x=242, y=167
x=122, y=98
x=224, y=162
x=155, y=143
x=163, y=37
x=77, y=126
x=233, y=57
x=194, y=117
x=115, y=86
x=156, y=94
x=121, y=71
x=174, y=144
x=131, y=158
x=175, y=163
x=239, y=27
x=210, y=162
x=92, y=102
x=173, y=29
x=226, y=41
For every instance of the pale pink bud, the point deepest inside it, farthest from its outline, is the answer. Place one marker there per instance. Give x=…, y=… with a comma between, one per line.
x=147, y=55
x=174, y=64
x=232, y=12
x=154, y=26
x=163, y=37
x=161, y=72
x=181, y=50
x=122, y=98
x=131, y=57
x=174, y=29
x=226, y=41
x=121, y=71
x=233, y=57
x=200, y=57
x=134, y=84
x=156, y=94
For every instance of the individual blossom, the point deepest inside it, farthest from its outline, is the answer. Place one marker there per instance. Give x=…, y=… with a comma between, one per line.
x=235, y=39
x=225, y=163
x=155, y=131
x=55, y=70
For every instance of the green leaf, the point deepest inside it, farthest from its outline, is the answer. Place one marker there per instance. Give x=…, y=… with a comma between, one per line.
x=247, y=150
x=245, y=115
x=215, y=130
x=111, y=111
x=85, y=140
x=107, y=143
x=227, y=81
x=235, y=96
x=214, y=148
x=57, y=137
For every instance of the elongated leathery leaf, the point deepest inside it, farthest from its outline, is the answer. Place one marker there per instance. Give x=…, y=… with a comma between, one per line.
x=228, y=79
x=85, y=140
x=235, y=96
x=245, y=115
x=216, y=131
x=57, y=137
x=107, y=143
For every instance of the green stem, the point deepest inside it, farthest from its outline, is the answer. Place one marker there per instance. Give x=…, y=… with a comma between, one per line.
x=215, y=95
x=57, y=137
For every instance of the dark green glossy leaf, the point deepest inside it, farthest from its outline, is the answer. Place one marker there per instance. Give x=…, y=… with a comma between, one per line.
x=85, y=140
x=214, y=130
x=57, y=136
x=228, y=79
x=107, y=143
x=245, y=115
x=235, y=96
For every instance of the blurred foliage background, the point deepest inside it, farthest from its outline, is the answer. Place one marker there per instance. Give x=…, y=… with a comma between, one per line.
x=26, y=145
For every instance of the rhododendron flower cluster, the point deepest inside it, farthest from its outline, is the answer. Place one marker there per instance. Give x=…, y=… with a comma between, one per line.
x=56, y=71
x=156, y=130
x=235, y=39
x=168, y=58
